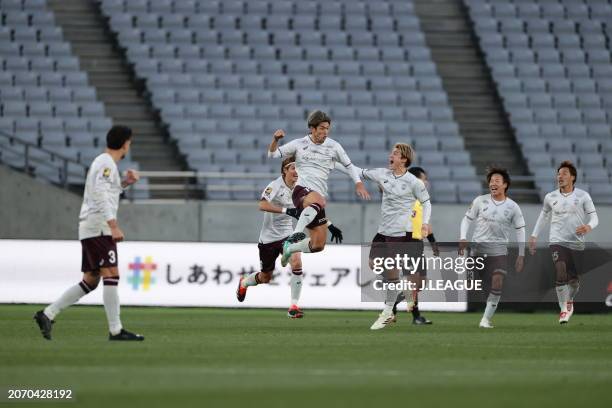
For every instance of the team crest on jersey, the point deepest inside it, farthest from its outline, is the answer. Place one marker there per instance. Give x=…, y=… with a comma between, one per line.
x=268, y=191
x=106, y=173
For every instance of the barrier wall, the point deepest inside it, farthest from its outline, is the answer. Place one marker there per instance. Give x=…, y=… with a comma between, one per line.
x=186, y=274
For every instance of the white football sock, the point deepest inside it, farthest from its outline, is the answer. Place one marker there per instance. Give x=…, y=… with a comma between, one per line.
x=296, y=286
x=491, y=307
x=574, y=287
x=563, y=296
x=300, y=246
x=250, y=280
x=306, y=217
x=111, y=304
x=68, y=298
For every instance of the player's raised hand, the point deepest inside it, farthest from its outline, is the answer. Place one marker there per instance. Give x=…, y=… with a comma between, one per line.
x=519, y=264
x=583, y=229
x=279, y=134
x=462, y=245
x=131, y=177
x=532, y=245
x=361, y=191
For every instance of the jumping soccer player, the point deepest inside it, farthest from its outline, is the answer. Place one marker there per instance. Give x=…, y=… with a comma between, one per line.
x=417, y=278
x=99, y=233
x=315, y=156
x=277, y=226
x=494, y=215
x=567, y=209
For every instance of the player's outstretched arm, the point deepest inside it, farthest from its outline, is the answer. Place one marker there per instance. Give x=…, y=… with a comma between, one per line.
x=267, y=206
x=273, y=148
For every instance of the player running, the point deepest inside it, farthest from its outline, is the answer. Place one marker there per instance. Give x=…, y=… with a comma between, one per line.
x=494, y=216
x=277, y=226
x=99, y=233
x=567, y=209
x=315, y=156
x=401, y=190
x=417, y=278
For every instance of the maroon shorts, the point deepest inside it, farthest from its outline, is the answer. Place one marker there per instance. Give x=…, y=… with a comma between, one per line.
x=98, y=252
x=571, y=258
x=495, y=264
x=268, y=254
x=298, y=195
x=386, y=246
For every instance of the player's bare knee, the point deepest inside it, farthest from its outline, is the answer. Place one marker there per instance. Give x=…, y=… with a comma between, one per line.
x=497, y=281
x=92, y=279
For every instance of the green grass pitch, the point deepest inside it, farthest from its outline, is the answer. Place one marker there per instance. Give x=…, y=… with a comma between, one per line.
x=260, y=358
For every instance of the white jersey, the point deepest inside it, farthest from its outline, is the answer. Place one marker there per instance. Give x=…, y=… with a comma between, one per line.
x=101, y=197
x=314, y=162
x=276, y=226
x=567, y=212
x=494, y=222
x=399, y=195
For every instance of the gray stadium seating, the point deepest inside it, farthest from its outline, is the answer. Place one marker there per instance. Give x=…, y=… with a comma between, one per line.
x=45, y=98
x=208, y=64
x=551, y=63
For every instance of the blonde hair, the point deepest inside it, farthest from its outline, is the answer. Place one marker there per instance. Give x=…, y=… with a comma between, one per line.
x=406, y=151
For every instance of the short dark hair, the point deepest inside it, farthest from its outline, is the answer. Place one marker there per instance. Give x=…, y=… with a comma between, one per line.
x=117, y=136
x=317, y=117
x=416, y=171
x=502, y=172
x=570, y=166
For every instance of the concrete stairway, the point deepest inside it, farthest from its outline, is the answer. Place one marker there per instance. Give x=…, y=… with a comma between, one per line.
x=472, y=94
x=92, y=42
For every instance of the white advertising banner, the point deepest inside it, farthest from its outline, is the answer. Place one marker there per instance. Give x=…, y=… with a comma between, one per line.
x=186, y=274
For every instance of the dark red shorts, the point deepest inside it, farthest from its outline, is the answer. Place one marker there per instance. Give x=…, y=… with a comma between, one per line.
x=98, y=252
x=385, y=246
x=268, y=254
x=496, y=264
x=298, y=195
x=571, y=258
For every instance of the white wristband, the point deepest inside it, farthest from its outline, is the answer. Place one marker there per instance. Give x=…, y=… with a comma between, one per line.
x=283, y=210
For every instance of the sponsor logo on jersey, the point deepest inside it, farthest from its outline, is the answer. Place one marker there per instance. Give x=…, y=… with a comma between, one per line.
x=106, y=172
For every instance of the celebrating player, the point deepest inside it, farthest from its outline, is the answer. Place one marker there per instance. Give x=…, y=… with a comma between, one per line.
x=99, y=233
x=400, y=190
x=567, y=209
x=277, y=226
x=494, y=215
x=315, y=156
x=417, y=278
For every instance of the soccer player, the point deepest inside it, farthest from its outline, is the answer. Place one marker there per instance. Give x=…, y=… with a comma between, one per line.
x=99, y=233
x=277, y=226
x=567, y=209
x=315, y=156
x=401, y=189
x=494, y=215
x=417, y=278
